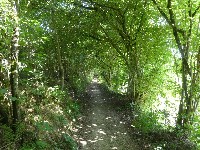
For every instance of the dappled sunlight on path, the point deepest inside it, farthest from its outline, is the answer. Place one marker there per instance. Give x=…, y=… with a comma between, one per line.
x=101, y=127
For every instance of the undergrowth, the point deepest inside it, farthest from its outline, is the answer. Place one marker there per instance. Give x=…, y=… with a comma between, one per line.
x=195, y=130
x=156, y=135
x=47, y=116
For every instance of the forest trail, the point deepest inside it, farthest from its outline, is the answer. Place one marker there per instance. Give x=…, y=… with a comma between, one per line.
x=102, y=127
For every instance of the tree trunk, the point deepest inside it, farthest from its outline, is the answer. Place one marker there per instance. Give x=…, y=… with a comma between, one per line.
x=181, y=119
x=14, y=70
x=134, y=71
x=61, y=68
x=58, y=48
x=182, y=38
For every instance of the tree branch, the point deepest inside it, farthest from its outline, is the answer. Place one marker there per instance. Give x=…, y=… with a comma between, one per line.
x=175, y=30
x=92, y=36
x=190, y=22
x=171, y=13
x=115, y=46
x=172, y=23
x=139, y=27
x=162, y=12
x=194, y=13
x=85, y=7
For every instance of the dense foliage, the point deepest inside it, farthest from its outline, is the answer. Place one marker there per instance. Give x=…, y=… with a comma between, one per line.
x=148, y=50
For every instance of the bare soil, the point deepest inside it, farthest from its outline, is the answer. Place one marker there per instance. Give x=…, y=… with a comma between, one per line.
x=103, y=125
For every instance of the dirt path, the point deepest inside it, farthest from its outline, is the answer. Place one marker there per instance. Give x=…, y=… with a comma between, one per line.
x=102, y=127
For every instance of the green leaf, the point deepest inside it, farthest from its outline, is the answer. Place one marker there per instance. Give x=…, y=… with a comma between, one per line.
x=3, y=91
x=41, y=144
x=45, y=38
x=12, y=98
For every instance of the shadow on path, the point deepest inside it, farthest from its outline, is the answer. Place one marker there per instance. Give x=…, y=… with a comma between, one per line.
x=101, y=126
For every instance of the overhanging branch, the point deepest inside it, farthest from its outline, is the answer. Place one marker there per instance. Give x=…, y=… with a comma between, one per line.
x=194, y=13
x=162, y=12
x=115, y=46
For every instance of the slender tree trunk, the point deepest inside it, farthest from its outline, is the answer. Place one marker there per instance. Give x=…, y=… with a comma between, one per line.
x=133, y=73
x=58, y=49
x=182, y=38
x=14, y=70
x=61, y=68
x=181, y=119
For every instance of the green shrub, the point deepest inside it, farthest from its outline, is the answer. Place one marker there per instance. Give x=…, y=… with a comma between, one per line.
x=48, y=115
x=147, y=121
x=195, y=131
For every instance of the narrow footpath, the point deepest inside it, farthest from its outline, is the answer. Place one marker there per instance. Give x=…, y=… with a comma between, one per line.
x=102, y=127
